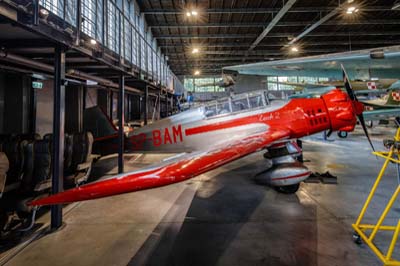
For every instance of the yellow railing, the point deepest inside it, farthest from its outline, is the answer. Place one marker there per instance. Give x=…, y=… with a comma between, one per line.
x=362, y=229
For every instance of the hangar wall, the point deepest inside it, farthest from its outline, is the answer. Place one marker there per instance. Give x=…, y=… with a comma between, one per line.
x=249, y=83
x=44, y=108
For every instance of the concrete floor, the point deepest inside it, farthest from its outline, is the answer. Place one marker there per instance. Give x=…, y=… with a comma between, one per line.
x=224, y=218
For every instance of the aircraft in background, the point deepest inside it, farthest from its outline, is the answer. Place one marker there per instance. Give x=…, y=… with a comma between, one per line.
x=225, y=82
x=216, y=134
x=369, y=64
x=389, y=101
x=357, y=85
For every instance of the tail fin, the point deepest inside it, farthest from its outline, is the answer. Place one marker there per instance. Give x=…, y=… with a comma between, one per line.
x=393, y=97
x=97, y=122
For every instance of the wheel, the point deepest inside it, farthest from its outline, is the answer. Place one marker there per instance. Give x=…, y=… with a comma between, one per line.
x=357, y=238
x=291, y=189
x=342, y=134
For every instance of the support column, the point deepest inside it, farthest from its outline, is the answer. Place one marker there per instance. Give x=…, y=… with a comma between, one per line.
x=121, y=120
x=58, y=133
x=111, y=105
x=35, y=10
x=32, y=112
x=78, y=22
x=145, y=103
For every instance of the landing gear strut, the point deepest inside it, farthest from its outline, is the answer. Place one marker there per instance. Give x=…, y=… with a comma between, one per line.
x=291, y=189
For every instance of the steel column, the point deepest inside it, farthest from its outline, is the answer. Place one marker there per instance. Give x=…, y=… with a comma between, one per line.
x=32, y=113
x=78, y=22
x=111, y=104
x=35, y=10
x=58, y=133
x=121, y=120
x=145, y=103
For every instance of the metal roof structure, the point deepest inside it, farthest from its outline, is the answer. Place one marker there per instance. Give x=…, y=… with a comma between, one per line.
x=231, y=32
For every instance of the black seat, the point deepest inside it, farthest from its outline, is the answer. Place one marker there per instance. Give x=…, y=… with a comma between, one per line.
x=81, y=163
x=14, y=151
x=68, y=151
x=42, y=169
x=37, y=168
x=4, y=165
x=27, y=184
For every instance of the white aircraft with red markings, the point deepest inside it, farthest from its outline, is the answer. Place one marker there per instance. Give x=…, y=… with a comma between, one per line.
x=226, y=130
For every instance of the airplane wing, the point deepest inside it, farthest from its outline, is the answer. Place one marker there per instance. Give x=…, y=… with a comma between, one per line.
x=378, y=103
x=176, y=170
x=307, y=85
x=382, y=114
x=362, y=64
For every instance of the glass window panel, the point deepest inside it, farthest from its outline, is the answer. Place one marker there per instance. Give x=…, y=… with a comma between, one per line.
x=188, y=83
x=210, y=110
x=223, y=107
x=54, y=6
x=127, y=41
x=89, y=11
x=70, y=10
x=272, y=86
x=240, y=104
x=256, y=101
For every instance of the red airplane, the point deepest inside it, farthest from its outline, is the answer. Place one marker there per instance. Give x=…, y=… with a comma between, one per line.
x=229, y=131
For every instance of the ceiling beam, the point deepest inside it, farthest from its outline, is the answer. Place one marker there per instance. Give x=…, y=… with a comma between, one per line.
x=280, y=24
x=275, y=35
x=272, y=24
x=149, y=11
x=316, y=24
x=316, y=43
x=209, y=59
x=254, y=52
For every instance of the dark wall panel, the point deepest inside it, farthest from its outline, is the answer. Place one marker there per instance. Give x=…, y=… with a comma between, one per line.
x=15, y=89
x=73, y=109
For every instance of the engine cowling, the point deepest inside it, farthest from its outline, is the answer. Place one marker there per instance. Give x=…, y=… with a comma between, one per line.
x=283, y=174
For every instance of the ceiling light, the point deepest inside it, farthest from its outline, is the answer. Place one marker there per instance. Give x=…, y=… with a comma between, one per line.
x=197, y=72
x=93, y=42
x=195, y=51
x=188, y=14
x=194, y=13
x=351, y=10
x=44, y=12
x=396, y=5
x=294, y=49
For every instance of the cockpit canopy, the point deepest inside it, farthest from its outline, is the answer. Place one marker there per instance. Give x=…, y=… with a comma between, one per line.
x=237, y=103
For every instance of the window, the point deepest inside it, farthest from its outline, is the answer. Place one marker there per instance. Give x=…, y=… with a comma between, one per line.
x=188, y=83
x=127, y=41
x=113, y=28
x=223, y=107
x=256, y=101
x=205, y=84
x=240, y=104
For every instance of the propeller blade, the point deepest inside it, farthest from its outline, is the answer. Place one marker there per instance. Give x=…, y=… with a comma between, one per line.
x=353, y=97
x=347, y=85
x=362, y=122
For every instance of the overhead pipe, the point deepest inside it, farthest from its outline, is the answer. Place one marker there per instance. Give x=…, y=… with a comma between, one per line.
x=70, y=73
x=24, y=61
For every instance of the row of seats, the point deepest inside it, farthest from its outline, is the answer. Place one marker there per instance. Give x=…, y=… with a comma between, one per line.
x=4, y=166
x=30, y=163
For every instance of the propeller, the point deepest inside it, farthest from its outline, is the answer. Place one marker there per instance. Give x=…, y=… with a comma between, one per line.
x=353, y=97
